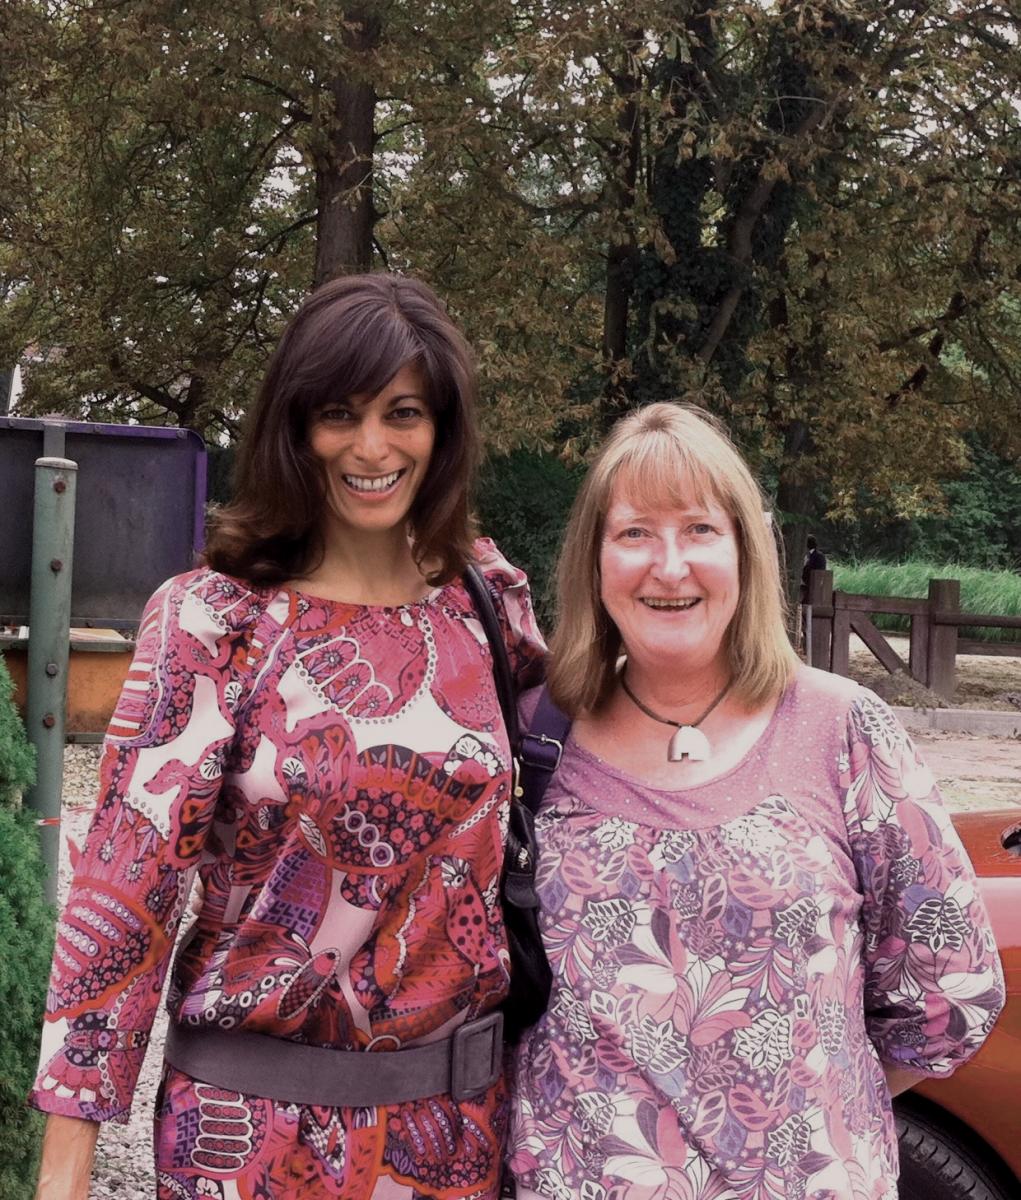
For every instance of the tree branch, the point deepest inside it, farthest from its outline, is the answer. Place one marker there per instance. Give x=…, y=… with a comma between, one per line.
x=743, y=227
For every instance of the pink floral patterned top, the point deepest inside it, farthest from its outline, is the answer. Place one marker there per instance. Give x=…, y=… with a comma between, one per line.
x=338, y=774
x=735, y=962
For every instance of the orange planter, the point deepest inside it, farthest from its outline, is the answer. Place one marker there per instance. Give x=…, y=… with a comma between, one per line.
x=99, y=661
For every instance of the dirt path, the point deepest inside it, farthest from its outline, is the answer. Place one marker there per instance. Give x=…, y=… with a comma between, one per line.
x=973, y=772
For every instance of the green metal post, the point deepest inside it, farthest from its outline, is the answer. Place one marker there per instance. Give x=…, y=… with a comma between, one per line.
x=49, y=641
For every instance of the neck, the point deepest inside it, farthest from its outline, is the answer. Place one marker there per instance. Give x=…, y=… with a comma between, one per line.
x=369, y=568
x=682, y=697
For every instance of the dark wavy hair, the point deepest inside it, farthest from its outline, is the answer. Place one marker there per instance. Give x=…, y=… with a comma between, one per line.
x=350, y=337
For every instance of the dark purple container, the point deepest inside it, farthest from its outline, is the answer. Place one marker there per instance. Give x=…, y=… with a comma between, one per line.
x=139, y=514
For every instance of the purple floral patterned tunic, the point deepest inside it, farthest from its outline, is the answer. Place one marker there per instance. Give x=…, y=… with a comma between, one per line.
x=735, y=962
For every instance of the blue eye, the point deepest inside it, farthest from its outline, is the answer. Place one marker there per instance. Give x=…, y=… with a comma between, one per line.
x=633, y=534
x=702, y=528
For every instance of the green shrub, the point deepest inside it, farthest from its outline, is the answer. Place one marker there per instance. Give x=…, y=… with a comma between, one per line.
x=524, y=499
x=17, y=761
x=996, y=593
x=26, y=943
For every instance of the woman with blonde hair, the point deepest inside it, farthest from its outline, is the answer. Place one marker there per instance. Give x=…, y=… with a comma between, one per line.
x=760, y=921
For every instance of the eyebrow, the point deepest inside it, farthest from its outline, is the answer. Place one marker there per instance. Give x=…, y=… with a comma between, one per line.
x=642, y=514
x=352, y=403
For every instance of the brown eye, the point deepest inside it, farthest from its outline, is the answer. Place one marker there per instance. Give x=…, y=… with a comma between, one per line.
x=334, y=413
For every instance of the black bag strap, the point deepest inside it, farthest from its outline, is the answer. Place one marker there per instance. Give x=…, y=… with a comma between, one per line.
x=541, y=749
x=479, y=592
x=538, y=751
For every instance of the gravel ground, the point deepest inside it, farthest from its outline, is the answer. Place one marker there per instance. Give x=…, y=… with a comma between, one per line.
x=124, y=1156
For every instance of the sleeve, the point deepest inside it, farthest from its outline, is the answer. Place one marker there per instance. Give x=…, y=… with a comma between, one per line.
x=159, y=781
x=933, y=981
x=513, y=600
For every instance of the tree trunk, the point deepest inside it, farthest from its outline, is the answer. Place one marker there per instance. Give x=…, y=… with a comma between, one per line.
x=797, y=503
x=344, y=163
x=620, y=255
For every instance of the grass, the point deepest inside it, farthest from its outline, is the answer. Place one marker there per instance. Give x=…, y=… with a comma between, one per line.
x=991, y=592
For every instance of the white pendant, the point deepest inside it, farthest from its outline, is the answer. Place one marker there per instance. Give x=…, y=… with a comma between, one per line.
x=691, y=742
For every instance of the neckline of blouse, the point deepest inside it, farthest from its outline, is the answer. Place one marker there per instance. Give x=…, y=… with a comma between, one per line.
x=425, y=601
x=754, y=751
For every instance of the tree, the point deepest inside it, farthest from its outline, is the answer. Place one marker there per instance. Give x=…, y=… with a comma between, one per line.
x=820, y=218
x=799, y=215
x=196, y=147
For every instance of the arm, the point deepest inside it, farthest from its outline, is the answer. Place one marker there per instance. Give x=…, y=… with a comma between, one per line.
x=68, y=1149
x=159, y=781
x=898, y=1080
x=933, y=982
x=513, y=601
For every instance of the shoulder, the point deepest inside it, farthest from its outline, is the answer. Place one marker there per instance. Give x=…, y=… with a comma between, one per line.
x=527, y=703
x=203, y=598
x=857, y=720
x=821, y=707
x=813, y=686
x=831, y=696
x=499, y=572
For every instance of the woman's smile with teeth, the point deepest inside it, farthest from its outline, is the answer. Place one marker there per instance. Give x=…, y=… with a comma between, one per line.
x=372, y=483
x=658, y=602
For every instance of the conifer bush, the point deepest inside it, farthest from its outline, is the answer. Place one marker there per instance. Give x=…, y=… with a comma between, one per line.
x=26, y=941
x=17, y=761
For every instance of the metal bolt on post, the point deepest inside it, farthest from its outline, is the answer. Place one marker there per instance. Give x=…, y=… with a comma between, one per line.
x=49, y=646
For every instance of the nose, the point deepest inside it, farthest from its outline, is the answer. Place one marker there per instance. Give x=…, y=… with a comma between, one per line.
x=370, y=443
x=671, y=563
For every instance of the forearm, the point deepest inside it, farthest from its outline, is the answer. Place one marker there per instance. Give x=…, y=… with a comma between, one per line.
x=68, y=1149
x=898, y=1080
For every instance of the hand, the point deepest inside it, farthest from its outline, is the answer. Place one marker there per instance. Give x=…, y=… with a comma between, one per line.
x=68, y=1149
x=198, y=896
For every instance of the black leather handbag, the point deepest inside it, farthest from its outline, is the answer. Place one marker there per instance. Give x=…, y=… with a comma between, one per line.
x=535, y=759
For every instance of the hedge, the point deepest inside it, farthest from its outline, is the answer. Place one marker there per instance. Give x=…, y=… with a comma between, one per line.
x=26, y=944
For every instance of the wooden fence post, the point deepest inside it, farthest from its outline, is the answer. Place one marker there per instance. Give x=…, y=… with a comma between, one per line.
x=820, y=596
x=944, y=596
x=918, y=647
x=840, y=638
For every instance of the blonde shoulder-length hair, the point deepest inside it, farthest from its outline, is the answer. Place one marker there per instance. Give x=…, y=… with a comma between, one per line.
x=666, y=455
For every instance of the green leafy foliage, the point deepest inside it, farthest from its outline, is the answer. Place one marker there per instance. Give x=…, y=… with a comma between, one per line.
x=976, y=523
x=26, y=934
x=26, y=938
x=524, y=500
x=17, y=758
x=802, y=216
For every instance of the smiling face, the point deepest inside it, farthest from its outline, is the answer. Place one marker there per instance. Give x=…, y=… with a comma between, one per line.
x=670, y=581
x=374, y=452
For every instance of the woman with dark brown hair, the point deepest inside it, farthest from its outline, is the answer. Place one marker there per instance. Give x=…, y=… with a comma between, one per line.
x=311, y=723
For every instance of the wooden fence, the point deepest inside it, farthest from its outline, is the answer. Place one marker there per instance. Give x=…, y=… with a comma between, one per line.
x=830, y=617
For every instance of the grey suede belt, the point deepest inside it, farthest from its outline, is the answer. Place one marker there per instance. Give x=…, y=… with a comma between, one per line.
x=462, y=1065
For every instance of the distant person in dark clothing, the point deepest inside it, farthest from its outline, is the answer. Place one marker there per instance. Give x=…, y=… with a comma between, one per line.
x=815, y=560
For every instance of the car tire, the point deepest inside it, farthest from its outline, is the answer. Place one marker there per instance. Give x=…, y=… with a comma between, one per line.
x=937, y=1163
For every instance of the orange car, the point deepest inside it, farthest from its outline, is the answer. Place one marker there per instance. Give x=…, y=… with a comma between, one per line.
x=960, y=1138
